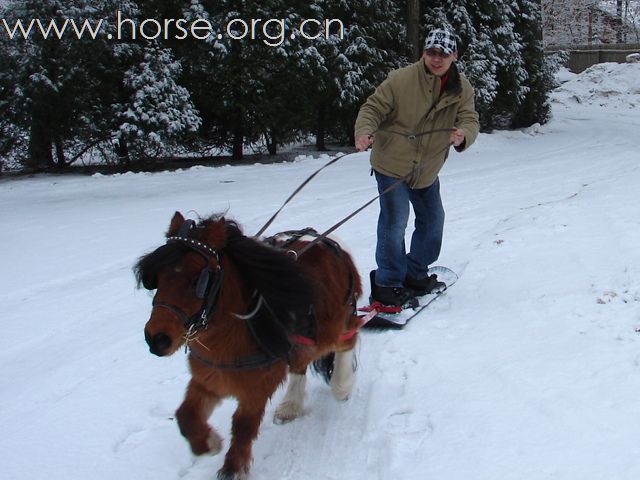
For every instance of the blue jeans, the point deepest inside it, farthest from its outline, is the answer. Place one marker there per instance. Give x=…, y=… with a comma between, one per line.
x=394, y=264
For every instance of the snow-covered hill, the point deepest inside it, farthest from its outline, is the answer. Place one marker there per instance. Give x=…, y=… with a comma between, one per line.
x=529, y=368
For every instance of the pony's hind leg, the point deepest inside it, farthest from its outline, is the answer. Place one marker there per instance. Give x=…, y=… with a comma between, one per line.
x=293, y=402
x=342, y=378
x=192, y=418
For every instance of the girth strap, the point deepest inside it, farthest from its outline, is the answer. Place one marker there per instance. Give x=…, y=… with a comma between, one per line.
x=249, y=362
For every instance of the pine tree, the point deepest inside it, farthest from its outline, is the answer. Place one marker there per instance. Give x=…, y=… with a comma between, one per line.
x=345, y=70
x=158, y=111
x=241, y=85
x=11, y=138
x=534, y=107
x=39, y=82
x=68, y=92
x=499, y=17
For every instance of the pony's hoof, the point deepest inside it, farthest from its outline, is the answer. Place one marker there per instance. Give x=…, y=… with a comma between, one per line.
x=287, y=412
x=214, y=442
x=341, y=390
x=223, y=474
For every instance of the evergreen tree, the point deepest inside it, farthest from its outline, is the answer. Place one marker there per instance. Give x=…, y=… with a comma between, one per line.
x=158, y=111
x=498, y=17
x=534, y=107
x=241, y=86
x=11, y=138
x=43, y=75
x=68, y=92
x=345, y=70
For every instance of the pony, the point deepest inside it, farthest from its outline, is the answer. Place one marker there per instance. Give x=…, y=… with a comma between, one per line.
x=249, y=312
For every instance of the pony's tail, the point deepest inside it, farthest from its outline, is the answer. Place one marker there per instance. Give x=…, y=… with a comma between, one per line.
x=324, y=366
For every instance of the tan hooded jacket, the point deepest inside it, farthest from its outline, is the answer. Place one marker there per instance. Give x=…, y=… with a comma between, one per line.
x=408, y=103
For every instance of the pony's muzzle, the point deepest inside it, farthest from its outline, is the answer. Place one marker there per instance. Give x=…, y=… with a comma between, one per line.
x=158, y=343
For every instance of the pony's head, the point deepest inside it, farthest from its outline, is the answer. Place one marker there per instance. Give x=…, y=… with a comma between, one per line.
x=193, y=288
x=186, y=274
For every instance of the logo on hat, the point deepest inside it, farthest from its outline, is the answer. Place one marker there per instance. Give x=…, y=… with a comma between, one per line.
x=442, y=39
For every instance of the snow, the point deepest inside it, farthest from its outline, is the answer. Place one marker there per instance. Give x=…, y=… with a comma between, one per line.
x=529, y=368
x=615, y=85
x=564, y=75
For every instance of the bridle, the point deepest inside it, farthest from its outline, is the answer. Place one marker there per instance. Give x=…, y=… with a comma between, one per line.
x=207, y=290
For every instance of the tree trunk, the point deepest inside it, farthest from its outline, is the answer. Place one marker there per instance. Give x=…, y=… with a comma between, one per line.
x=61, y=162
x=238, y=136
x=272, y=146
x=321, y=128
x=122, y=150
x=540, y=30
x=413, y=29
x=620, y=31
x=40, y=144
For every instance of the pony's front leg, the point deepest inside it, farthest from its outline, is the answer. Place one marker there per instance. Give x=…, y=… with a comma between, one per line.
x=293, y=402
x=192, y=417
x=244, y=429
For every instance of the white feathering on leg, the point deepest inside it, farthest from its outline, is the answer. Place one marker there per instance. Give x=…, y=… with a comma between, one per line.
x=214, y=442
x=293, y=402
x=342, y=378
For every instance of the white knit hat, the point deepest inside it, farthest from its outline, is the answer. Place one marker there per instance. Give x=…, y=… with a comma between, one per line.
x=443, y=39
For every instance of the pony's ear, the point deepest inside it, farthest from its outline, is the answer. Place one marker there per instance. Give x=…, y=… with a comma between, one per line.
x=175, y=224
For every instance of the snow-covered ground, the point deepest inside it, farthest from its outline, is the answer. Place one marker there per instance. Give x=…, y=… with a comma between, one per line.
x=529, y=368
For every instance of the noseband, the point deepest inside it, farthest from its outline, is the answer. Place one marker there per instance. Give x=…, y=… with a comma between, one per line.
x=206, y=289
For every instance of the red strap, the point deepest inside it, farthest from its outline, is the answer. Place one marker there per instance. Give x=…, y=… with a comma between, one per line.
x=346, y=336
x=300, y=340
x=380, y=308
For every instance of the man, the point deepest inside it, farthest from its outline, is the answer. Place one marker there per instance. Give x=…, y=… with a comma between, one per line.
x=414, y=115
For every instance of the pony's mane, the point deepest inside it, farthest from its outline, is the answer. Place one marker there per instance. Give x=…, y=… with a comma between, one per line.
x=269, y=270
x=275, y=274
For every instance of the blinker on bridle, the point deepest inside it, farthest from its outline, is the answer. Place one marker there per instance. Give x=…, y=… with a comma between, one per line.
x=206, y=289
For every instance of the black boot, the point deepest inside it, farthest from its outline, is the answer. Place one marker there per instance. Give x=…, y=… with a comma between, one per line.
x=425, y=285
x=392, y=296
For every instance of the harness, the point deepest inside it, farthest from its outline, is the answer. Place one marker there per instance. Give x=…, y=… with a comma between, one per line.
x=267, y=330
x=284, y=241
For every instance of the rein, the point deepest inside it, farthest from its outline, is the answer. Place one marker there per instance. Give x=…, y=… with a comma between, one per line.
x=413, y=136
x=417, y=169
x=295, y=192
x=408, y=136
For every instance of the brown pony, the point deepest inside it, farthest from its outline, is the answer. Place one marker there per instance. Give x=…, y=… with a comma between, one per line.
x=249, y=311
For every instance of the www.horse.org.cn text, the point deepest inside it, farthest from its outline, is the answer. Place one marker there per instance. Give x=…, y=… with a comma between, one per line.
x=272, y=32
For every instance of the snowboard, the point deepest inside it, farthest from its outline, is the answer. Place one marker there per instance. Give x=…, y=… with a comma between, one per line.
x=377, y=317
